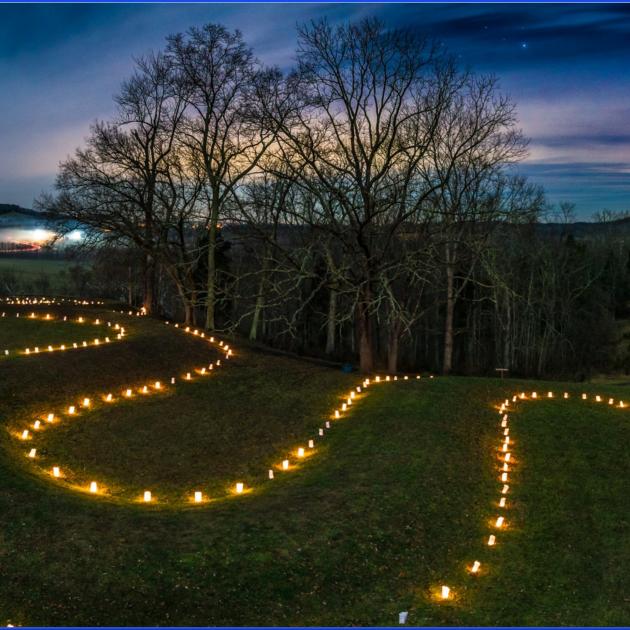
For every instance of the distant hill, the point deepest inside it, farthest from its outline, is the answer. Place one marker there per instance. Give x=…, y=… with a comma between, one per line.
x=11, y=208
x=12, y=215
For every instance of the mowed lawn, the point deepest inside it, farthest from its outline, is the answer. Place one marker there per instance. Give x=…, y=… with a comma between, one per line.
x=398, y=498
x=19, y=333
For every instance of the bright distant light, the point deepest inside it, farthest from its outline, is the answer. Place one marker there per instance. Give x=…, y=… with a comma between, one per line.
x=75, y=235
x=41, y=235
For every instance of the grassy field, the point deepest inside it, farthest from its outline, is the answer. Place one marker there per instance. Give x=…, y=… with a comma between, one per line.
x=398, y=498
x=17, y=334
x=35, y=275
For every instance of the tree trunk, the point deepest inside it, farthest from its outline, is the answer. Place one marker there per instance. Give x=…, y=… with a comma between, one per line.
x=447, y=362
x=130, y=287
x=364, y=330
x=392, y=348
x=253, y=331
x=332, y=322
x=212, y=271
x=148, y=299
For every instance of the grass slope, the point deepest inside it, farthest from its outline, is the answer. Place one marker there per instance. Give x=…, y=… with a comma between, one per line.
x=16, y=334
x=397, y=500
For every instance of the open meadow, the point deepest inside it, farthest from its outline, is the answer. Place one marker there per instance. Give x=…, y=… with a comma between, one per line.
x=396, y=499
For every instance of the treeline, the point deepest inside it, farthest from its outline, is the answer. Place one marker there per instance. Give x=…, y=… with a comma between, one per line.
x=361, y=206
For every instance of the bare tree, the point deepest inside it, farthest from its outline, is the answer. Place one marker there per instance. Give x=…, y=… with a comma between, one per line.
x=222, y=85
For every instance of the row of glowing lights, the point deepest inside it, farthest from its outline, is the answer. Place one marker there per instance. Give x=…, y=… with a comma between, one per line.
x=49, y=301
x=82, y=344
x=506, y=457
x=128, y=393
x=239, y=487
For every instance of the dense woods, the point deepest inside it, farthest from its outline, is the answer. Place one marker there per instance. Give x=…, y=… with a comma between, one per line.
x=361, y=207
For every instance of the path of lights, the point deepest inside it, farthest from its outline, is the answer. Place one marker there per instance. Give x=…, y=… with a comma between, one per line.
x=195, y=496
x=503, y=455
x=119, y=333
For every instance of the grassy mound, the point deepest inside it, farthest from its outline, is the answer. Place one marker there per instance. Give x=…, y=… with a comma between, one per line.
x=398, y=500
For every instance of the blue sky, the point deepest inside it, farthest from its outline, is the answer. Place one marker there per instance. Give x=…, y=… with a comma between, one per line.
x=566, y=66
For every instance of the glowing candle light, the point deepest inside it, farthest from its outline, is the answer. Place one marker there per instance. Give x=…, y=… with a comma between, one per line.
x=504, y=477
x=173, y=380
x=327, y=424
x=406, y=378
x=62, y=347
x=378, y=379
x=505, y=417
x=505, y=448
x=513, y=398
x=32, y=453
x=96, y=342
x=336, y=413
x=507, y=457
x=270, y=474
x=106, y=339
x=505, y=467
x=352, y=394
x=128, y=393
x=300, y=452
x=218, y=362
x=147, y=496
x=321, y=432
x=37, y=424
x=187, y=376
x=598, y=399
x=358, y=389
x=534, y=395
x=499, y=522
x=50, y=348
x=349, y=402
x=56, y=471
x=71, y=410
x=475, y=566
x=506, y=432
x=93, y=487
x=311, y=444
x=145, y=389
x=583, y=396
x=491, y=540
x=158, y=385
x=502, y=502
x=565, y=395
x=344, y=406
x=285, y=464
x=203, y=370
x=507, y=439
x=28, y=351
x=108, y=398
x=239, y=487
x=80, y=320
x=549, y=394
x=85, y=344
x=445, y=593
x=611, y=401
x=505, y=489
x=86, y=402
x=621, y=403
x=504, y=423
x=387, y=378
x=25, y=434
x=198, y=497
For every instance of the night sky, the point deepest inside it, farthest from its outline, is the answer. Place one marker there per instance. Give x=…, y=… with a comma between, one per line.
x=567, y=66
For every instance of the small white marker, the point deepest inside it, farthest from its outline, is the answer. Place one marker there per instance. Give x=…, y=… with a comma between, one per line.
x=402, y=617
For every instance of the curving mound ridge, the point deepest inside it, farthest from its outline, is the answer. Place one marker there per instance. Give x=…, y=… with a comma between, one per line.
x=397, y=501
x=190, y=434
